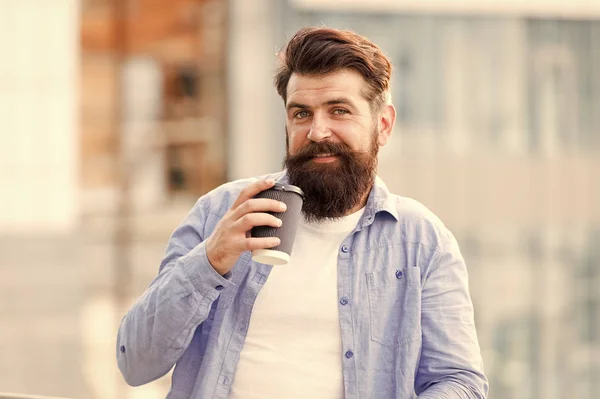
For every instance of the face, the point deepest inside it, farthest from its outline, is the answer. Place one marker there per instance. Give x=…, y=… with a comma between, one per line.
x=332, y=108
x=333, y=141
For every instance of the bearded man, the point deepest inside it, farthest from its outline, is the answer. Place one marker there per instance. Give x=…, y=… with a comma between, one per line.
x=374, y=302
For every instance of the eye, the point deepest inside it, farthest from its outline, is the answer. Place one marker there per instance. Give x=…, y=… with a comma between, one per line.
x=301, y=114
x=340, y=111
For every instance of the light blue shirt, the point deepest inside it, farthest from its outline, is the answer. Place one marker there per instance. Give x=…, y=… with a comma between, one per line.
x=406, y=315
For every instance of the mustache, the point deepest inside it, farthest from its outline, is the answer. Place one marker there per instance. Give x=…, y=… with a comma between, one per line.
x=324, y=147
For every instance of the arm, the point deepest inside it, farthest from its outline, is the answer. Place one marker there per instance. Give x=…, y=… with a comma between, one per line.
x=160, y=325
x=451, y=366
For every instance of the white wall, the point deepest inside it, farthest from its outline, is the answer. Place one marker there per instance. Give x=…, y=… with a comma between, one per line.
x=39, y=45
x=142, y=95
x=255, y=145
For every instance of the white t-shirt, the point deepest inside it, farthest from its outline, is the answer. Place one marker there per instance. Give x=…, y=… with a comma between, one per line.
x=293, y=348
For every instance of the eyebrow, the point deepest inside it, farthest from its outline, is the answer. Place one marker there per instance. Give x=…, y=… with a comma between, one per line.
x=334, y=101
x=296, y=105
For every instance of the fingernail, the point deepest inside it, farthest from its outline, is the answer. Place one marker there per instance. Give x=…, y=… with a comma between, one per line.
x=282, y=206
x=279, y=222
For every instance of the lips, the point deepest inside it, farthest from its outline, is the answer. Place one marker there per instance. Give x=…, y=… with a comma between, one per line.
x=324, y=155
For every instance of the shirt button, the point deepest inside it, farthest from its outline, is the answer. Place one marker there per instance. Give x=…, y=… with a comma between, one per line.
x=219, y=288
x=398, y=274
x=345, y=249
x=122, y=349
x=344, y=300
x=349, y=354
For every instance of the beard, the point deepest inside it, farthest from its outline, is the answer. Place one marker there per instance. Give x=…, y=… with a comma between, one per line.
x=332, y=189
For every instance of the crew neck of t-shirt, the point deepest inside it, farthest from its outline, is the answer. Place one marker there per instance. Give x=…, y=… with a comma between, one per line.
x=344, y=223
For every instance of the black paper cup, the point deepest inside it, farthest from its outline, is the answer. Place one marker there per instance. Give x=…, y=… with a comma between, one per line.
x=293, y=197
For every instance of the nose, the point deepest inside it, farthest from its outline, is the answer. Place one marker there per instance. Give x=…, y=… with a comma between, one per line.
x=319, y=130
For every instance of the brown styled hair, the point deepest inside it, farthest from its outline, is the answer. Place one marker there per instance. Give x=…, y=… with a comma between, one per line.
x=320, y=51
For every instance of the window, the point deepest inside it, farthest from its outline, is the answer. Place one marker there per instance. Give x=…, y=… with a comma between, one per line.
x=554, y=101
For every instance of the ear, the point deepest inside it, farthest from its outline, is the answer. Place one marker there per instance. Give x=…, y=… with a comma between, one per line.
x=387, y=119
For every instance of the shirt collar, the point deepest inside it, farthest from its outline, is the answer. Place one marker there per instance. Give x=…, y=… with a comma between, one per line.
x=381, y=200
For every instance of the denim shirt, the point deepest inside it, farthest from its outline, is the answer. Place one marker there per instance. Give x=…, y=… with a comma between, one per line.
x=405, y=311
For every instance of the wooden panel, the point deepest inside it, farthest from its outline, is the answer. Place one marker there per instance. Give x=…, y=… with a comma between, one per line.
x=152, y=27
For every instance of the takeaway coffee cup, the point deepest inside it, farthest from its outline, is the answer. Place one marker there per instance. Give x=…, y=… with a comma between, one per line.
x=293, y=197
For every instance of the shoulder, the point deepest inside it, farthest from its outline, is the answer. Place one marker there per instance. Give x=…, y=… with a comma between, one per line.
x=419, y=224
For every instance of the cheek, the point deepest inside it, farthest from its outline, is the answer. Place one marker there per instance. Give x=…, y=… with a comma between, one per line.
x=356, y=142
x=354, y=135
x=296, y=140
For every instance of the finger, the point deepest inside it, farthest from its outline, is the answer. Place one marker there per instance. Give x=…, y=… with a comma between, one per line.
x=251, y=190
x=250, y=220
x=258, y=205
x=252, y=243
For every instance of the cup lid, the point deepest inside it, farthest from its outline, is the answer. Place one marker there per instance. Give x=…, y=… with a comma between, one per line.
x=288, y=187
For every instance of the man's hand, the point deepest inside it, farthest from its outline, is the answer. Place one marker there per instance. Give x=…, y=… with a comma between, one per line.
x=230, y=237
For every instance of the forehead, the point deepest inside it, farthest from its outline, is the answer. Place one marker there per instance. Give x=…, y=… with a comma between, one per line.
x=347, y=83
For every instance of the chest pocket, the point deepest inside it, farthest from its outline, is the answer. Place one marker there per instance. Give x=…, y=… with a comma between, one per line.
x=395, y=306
